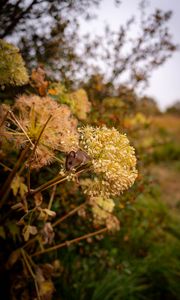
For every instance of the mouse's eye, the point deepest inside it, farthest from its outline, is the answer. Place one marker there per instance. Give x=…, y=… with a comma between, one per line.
x=70, y=163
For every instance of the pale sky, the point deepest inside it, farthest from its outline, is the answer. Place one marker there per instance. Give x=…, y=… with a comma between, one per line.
x=164, y=84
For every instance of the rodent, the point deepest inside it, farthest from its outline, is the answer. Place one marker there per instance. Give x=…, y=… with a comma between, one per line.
x=76, y=159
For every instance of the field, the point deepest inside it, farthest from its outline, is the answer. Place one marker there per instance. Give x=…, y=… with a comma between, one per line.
x=167, y=172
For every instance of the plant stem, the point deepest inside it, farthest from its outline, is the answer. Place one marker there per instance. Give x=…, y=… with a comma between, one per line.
x=5, y=167
x=7, y=185
x=4, y=118
x=48, y=184
x=56, y=223
x=52, y=196
x=38, y=139
x=54, y=181
x=68, y=243
x=20, y=126
x=28, y=180
x=68, y=215
x=31, y=272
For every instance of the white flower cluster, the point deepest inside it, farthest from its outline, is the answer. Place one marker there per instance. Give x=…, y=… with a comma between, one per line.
x=113, y=159
x=114, y=165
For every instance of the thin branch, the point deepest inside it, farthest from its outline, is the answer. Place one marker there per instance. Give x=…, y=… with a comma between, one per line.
x=17, y=122
x=56, y=223
x=4, y=118
x=56, y=180
x=72, y=212
x=27, y=264
x=31, y=272
x=68, y=243
x=7, y=185
x=41, y=132
x=52, y=196
x=29, y=180
x=31, y=241
x=33, y=151
x=15, y=21
x=5, y=167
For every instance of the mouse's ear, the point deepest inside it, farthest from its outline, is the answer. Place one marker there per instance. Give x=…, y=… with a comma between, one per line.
x=72, y=154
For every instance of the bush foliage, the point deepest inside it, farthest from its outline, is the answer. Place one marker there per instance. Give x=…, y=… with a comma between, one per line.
x=78, y=221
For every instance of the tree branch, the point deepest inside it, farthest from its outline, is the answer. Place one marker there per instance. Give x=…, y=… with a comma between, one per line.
x=14, y=23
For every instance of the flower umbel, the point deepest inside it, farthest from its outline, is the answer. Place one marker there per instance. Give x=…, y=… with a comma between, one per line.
x=114, y=165
x=77, y=100
x=81, y=105
x=113, y=159
x=12, y=69
x=60, y=133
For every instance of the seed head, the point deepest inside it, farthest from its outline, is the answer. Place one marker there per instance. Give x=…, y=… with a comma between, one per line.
x=60, y=133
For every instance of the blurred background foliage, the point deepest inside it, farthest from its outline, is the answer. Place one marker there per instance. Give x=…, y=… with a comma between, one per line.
x=142, y=260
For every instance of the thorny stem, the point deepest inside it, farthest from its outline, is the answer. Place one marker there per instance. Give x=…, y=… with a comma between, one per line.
x=72, y=212
x=68, y=243
x=7, y=185
x=31, y=272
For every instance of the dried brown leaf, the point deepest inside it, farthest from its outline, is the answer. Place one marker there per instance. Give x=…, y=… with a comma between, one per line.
x=38, y=198
x=47, y=233
x=38, y=80
x=27, y=230
x=49, y=212
x=13, y=258
x=18, y=186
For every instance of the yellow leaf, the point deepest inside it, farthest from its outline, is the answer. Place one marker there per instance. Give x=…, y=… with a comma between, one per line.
x=15, y=185
x=22, y=189
x=18, y=186
x=26, y=233
x=27, y=230
x=46, y=288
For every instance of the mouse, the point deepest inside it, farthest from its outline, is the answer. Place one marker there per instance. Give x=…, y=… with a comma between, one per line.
x=76, y=159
